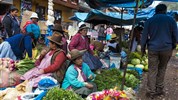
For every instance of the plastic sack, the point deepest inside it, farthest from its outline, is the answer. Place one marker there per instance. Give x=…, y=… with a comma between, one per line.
x=47, y=83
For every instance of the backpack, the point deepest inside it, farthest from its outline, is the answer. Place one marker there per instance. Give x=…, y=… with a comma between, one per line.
x=25, y=26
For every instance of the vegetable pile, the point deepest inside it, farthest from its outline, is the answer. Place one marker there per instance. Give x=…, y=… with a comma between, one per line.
x=57, y=93
x=137, y=61
x=24, y=65
x=7, y=63
x=110, y=78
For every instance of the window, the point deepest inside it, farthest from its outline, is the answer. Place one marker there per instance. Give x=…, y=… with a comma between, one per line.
x=40, y=10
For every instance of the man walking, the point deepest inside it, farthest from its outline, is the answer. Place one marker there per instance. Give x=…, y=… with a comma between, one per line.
x=160, y=35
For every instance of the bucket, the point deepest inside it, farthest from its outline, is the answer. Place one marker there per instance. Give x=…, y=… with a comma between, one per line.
x=115, y=61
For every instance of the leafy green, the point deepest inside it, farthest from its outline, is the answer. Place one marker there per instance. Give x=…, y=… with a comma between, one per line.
x=57, y=93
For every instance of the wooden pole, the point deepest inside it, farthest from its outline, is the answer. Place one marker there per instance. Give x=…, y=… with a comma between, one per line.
x=125, y=63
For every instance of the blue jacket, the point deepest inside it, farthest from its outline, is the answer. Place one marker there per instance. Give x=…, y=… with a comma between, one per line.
x=160, y=33
x=35, y=29
x=26, y=45
x=71, y=75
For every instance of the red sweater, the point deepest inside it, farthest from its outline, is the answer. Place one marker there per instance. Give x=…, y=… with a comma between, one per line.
x=59, y=60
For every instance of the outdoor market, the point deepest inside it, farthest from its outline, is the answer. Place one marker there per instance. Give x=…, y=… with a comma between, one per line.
x=88, y=49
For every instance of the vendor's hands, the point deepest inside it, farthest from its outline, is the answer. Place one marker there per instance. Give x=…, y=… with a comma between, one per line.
x=43, y=52
x=90, y=77
x=41, y=71
x=88, y=85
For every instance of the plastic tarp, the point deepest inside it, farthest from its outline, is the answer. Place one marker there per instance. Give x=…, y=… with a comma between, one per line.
x=98, y=17
x=99, y=4
x=168, y=0
x=79, y=16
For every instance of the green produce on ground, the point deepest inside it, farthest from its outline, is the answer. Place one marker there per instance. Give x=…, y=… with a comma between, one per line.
x=24, y=65
x=57, y=93
x=135, y=61
x=113, y=77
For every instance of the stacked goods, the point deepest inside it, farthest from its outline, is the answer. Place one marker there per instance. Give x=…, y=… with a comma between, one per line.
x=24, y=65
x=7, y=63
x=110, y=78
x=57, y=93
x=137, y=61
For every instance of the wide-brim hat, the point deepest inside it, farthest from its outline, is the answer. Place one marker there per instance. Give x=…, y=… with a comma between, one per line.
x=56, y=38
x=83, y=26
x=76, y=53
x=58, y=28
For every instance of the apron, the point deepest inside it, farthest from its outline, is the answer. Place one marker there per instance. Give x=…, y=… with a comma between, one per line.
x=33, y=75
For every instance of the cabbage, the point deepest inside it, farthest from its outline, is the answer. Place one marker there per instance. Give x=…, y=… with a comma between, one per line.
x=130, y=65
x=139, y=66
x=135, y=61
x=146, y=68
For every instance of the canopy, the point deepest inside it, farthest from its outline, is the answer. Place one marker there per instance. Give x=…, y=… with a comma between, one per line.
x=79, y=16
x=168, y=0
x=98, y=4
x=99, y=17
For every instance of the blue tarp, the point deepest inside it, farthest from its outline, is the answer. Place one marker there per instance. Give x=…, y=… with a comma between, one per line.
x=98, y=17
x=168, y=0
x=79, y=16
x=98, y=4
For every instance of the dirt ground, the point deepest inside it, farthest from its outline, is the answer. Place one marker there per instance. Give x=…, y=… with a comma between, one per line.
x=171, y=82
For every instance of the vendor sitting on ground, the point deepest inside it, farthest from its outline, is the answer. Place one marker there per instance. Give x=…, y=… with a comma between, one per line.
x=113, y=44
x=97, y=47
x=50, y=63
x=79, y=76
x=15, y=46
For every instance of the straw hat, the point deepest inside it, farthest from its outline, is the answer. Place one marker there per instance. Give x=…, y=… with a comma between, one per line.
x=114, y=36
x=34, y=15
x=56, y=38
x=76, y=53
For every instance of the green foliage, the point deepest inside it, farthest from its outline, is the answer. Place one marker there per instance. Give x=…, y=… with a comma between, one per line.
x=24, y=65
x=57, y=93
x=113, y=77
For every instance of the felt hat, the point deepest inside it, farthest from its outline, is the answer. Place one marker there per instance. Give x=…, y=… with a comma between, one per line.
x=56, y=38
x=76, y=53
x=58, y=28
x=83, y=26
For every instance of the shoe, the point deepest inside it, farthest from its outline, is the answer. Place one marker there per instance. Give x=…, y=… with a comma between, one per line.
x=160, y=93
x=150, y=95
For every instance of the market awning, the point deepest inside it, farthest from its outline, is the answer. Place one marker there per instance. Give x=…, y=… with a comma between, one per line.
x=79, y=16
x=98, y=4
x=98, y=17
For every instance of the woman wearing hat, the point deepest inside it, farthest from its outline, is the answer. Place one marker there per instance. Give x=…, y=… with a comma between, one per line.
x=50, y=63
x=11, y=23
x=32, y=26
x=80, y=42
x=58, y=28
x=78, y=76
x=113, y=44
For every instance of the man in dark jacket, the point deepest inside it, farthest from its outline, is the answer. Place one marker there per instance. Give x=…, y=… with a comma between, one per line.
x=11, y=23
x=159, y=35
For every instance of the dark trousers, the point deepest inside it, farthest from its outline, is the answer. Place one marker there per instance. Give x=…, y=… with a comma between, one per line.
x=157, y=64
